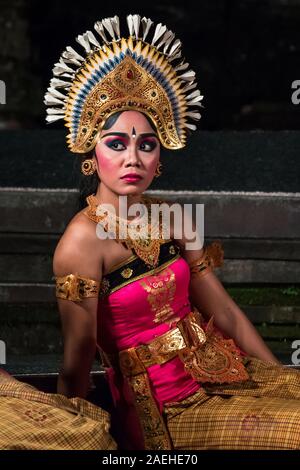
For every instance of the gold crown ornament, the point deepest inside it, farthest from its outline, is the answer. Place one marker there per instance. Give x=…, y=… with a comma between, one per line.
x=117, y=74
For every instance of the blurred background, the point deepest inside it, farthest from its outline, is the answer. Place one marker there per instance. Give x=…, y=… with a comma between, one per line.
x=246, y=54
x=243, y=162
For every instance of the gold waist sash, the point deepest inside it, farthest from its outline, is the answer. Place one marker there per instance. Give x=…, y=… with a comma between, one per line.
x=206, y=355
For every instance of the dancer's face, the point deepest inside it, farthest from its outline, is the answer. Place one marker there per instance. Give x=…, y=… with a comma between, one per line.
x=130, y=145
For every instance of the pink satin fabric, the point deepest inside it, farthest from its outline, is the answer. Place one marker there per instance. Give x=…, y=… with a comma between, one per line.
x=125, y=320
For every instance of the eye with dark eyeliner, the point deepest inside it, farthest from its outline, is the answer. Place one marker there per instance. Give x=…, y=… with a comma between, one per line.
x=147, y=145
x=116, y=144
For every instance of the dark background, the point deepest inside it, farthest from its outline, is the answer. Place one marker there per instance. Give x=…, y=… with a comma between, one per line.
x=246, y=54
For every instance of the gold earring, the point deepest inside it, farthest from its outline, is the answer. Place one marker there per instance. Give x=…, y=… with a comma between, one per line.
x=88, y=167
x=158, y=171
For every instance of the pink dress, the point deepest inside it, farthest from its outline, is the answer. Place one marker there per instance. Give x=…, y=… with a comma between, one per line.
x=126, y=317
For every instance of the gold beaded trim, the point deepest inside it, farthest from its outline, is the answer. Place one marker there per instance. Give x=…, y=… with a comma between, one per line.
x=76, y=287
x=212, y=257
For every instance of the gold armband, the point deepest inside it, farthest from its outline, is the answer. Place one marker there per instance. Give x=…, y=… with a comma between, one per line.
x=212, y=257
x=76, y=287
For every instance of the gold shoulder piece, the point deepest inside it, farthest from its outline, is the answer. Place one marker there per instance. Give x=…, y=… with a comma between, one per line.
x=76, y=287
x=212, y=257
x=216, y=253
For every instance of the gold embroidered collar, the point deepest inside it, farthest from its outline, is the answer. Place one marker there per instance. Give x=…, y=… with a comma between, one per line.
x=145, y=247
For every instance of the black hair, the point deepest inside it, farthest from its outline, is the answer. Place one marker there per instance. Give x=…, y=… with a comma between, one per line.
x=88, y=184
x=114, y=117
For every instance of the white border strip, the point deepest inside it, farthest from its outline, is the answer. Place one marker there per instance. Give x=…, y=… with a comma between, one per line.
x=53, y=190
x=25, y=284
x=165, y=192
x=225, y=193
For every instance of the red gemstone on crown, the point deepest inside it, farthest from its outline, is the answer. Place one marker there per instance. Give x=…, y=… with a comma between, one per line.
x=130, y=75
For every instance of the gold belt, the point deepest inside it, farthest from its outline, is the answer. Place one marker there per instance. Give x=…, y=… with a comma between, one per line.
x=206, y=356
x=163, y=348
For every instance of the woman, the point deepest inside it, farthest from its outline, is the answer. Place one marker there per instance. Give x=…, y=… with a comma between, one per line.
x=178, y=381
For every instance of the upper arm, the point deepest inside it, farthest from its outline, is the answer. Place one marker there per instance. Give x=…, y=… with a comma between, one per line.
x=208, y=294
x=76, y=254
x=205, y=289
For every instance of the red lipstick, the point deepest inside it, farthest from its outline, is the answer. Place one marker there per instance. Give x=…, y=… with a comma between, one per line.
x=131, y=177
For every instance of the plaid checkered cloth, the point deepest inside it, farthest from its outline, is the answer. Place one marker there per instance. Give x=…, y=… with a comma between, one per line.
x=261, y=413
x=34, y=420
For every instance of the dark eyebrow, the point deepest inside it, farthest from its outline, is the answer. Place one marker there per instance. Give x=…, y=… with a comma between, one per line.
x=123, y=134
x=120, y=134
x=149, y=134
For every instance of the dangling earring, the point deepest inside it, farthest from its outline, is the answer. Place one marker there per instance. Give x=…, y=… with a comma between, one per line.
x=158, y=171
x=88, y=167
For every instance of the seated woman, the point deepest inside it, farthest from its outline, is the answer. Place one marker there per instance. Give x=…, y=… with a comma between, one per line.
x=187, y=369
x=33, y=420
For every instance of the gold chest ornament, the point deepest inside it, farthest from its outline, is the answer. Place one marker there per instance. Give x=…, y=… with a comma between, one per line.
x=146, y=246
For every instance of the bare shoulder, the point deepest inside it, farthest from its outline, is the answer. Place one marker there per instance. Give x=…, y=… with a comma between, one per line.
x=79, y=249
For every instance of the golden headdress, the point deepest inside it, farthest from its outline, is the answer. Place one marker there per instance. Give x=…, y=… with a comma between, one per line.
x=118, y=74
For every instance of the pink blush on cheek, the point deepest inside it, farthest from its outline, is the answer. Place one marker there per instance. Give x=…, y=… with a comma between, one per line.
x=104, y=163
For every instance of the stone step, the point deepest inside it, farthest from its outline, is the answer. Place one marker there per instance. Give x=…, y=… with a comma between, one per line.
x=30, y=330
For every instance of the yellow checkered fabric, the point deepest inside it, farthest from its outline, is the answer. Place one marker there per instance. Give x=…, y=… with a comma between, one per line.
x=34, y=420
x=261, y=413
